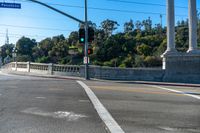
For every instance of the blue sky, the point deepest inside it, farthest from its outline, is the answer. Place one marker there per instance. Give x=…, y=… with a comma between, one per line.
x=43, y=22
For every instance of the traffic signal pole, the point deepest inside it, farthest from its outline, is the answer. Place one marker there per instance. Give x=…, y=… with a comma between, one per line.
x=78, y=20
x=86, y=42
x=56, y=10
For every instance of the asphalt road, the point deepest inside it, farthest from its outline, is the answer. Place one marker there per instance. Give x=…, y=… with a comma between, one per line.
x=149, y=109
x=39, y=105
x=42, y=105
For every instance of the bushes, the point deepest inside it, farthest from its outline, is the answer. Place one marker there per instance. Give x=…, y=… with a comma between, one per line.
x=152, y=61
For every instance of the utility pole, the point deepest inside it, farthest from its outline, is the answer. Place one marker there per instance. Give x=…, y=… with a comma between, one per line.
x=86, y=42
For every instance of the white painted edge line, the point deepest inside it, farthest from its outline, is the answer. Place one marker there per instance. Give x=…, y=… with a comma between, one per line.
x=106, y=117
x=176, y=91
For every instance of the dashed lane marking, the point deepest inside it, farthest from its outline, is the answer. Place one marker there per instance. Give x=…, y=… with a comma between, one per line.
x=176, y=91
x=106, y=117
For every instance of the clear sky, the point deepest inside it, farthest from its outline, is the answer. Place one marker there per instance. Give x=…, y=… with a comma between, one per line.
x=38, y=22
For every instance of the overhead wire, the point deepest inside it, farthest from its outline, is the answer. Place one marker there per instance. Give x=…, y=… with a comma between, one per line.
x=111, y=9
x=144, y=3
x=29, y=27
x=20, y=35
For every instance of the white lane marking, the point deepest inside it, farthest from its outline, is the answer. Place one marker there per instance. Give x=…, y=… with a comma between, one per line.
x=106, y=117
x=70, y=116
x=176, y=91
x=40, y=97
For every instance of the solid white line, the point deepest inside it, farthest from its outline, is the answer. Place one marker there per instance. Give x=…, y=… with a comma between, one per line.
x=176, y=91
x=106, y=117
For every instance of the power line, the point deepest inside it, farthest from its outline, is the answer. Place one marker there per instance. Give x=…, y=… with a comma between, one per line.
x=108, y=9
x=20, y=35
x=29, y=27
x=142, y=3
x=45, y=18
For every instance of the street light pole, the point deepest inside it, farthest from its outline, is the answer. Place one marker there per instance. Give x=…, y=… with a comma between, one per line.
x=86, y=42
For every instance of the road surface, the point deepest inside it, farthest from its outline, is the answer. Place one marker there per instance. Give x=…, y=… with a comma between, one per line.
x=42, y=105
x=39, y=105
x=150, y=109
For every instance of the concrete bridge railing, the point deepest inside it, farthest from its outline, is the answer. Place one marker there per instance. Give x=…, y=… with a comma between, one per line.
x=43, y=69
x=98, y=72
x=109, y=73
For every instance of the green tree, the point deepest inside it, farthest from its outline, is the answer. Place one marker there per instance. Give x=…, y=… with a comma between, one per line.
x=129, y=26
x=138, y=25
x=152, y=61
x=6, y=50
x=109, y=26
x=147, y=25
x=144, y=50
x=24, y=48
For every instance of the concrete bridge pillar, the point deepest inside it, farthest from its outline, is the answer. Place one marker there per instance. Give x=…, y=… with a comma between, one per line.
x=192, y=27
x=170, y=28
x=181, y=67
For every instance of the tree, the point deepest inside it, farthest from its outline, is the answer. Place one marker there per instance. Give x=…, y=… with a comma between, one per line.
x=24, y=46
x=140, y=45
x=109, y=26
x=73, y=38
x=152, y=61
x=45, y=46
x=128, y=26
x=144, y=50
x=147, y=24
x=138, y=25
x=6, y=50
x=182, y=36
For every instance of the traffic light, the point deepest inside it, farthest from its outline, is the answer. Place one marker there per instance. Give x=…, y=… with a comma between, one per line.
x=90, y=34
x=90, y=51
x=82, y=36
